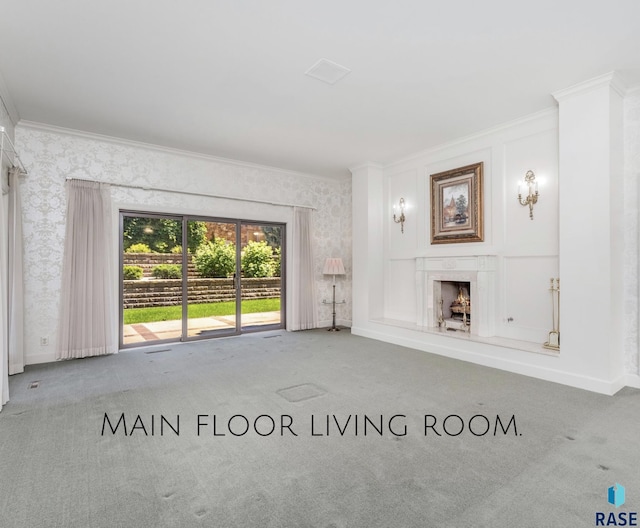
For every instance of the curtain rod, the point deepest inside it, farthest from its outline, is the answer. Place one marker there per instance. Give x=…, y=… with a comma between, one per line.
x=192, y=193
x=12, y=151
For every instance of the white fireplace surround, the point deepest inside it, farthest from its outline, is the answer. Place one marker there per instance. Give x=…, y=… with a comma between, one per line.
x=479, y=271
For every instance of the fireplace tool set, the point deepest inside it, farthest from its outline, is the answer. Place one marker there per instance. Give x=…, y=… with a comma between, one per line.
x=554, y=335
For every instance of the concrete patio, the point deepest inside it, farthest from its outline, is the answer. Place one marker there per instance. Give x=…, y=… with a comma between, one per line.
x=143, y=332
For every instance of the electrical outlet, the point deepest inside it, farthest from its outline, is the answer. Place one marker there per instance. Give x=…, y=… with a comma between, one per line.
x=44, y=341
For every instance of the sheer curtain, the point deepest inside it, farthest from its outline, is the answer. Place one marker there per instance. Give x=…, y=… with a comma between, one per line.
x=4, y=320
x=16, y=280
x=304, y=313
x=88, y=303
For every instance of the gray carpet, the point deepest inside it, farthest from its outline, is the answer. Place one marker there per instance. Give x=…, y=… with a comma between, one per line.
x=57, y=470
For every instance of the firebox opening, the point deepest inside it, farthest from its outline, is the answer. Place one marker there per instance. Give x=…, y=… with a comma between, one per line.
x=455, y=305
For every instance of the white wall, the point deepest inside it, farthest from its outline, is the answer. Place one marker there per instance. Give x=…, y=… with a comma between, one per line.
x=599, y=262
x=52, y=155
x=591, y=227
x=631, y=233
x=527, y=249
x=368, y=278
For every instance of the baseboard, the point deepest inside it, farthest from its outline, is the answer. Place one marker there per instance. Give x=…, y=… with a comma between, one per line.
x=339, y=322
x=618, y=384
x=601, y=386
x=35, y=359
x=632, y=380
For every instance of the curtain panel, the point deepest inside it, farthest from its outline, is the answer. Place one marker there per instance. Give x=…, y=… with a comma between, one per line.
x=88, y=301
x=304, y=310
x=4, y=318
x=16, y=277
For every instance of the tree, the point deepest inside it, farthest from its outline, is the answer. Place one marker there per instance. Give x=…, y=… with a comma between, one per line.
x=461, y=205
x=161, y=234
x=273, y=235
x=196, y=235
x=277, y=261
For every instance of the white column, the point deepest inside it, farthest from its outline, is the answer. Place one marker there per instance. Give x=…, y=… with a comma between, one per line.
x=590, y=231
x=368, y=263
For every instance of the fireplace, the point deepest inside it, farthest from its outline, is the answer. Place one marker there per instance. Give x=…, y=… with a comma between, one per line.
x=457, y=294
x=453, y=305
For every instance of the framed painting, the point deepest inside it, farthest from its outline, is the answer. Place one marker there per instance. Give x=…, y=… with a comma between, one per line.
x=456, y=205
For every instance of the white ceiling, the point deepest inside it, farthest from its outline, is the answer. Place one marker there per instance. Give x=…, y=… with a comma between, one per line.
x=227, y=78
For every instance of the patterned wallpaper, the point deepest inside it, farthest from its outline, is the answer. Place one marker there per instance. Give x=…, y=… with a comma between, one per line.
x=51, y=156
x=631, y=269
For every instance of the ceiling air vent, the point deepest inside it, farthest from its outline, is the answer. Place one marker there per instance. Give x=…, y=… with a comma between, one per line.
x=327, y=71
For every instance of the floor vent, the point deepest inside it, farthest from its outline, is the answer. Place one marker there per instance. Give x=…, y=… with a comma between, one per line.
x=158, y=351
x=269, y=337
x=302, y=392
x=34, y=384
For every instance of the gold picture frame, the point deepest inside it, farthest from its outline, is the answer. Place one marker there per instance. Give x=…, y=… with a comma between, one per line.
x=457, y=213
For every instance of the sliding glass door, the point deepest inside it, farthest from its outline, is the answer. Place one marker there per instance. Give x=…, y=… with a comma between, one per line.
x=186, y=278
x=261, y=269
x=212, y=280
x=151, y=278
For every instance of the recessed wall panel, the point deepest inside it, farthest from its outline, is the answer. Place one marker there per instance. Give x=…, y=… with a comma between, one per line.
x=527, y=308
x=400, y=302
x=524, y=235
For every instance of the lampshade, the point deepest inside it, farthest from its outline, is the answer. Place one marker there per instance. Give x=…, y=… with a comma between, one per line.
x=333, y=266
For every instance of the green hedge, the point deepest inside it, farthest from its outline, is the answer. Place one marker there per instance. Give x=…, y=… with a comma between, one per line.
x=131, y=272
x=215, y=259
x=257, y=260
x=167, y=271
x=138, y=248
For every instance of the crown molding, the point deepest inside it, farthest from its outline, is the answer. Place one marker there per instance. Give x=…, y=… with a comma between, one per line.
x=366, y=165
x=633, y=91
x=611, y=79
x=542, y=114
x=43, y=127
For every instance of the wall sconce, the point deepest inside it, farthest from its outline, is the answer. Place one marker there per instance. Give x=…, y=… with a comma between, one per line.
x=532, y=196
x=401, y=219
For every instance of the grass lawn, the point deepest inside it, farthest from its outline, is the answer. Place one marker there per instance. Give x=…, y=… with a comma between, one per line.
x=173, y=313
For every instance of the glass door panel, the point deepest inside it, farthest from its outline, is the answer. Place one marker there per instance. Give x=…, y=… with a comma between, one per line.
x=151, y=279
x=211, y=278
x=262, y=293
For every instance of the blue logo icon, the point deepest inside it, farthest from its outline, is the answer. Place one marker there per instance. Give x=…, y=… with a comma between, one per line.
x=616, y=495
